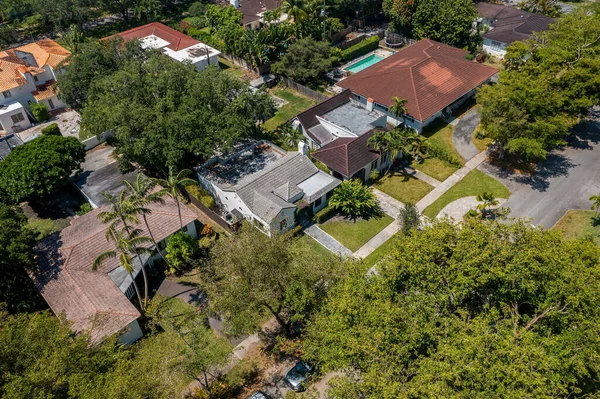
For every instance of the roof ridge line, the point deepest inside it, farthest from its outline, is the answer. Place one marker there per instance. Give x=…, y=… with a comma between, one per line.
x=412, y=83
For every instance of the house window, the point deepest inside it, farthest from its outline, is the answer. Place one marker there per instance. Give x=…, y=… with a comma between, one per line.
x=318, y=202
x=51, y=104
x=283, y=225
x=16, y=118
x=384, y=159
x=496, y=45
x=374, y=165
x=7, y=94
x=35, y=78
x=185, y=229
x=381, y=107
x=130, y=291
x=356, y=96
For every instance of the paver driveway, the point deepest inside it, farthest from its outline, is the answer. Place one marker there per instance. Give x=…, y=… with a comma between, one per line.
x=565, y=181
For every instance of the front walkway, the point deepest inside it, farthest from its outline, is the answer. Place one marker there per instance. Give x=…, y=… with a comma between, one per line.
x=451, y=181
x=421, y=176
x=462, y=137
x=389, y=205
x=378, y=240
x=327, y=241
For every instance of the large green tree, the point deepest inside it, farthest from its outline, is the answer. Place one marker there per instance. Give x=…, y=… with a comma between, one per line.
x=167, y=115
x=17, y=291
x=39, y=167
x=306, y=61
x=400, y=12
x=253, y=276
x=477, y=310
x=549, y=84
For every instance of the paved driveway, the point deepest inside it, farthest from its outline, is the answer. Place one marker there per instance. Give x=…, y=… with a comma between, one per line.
x=565, y=181
x=463, y=134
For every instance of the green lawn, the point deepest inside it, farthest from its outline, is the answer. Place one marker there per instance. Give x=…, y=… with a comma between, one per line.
x=231, y=68
x=439, y=133
x=578, y=224
x=297, y=103
x=315, y=246
x=402, y=187
x=481, y=144
x=380, y=253
x=474, y=183
x=354, y=235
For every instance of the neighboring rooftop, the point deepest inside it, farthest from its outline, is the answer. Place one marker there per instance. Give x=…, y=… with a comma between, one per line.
x=510, y=24
x=7, y=144
x=252, y=10
x=429, y=75
x=108, y=179
x=353, y=117
x=91, y=300
x=348, y=155
x=30, y=58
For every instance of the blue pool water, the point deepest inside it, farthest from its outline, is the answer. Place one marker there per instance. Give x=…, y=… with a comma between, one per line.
x=364, y=63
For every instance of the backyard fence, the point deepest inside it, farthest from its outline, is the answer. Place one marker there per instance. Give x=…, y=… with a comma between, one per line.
x=94, y=141
x=209, y=212
x=266, y=68
x=339, y=36
x=305, y=91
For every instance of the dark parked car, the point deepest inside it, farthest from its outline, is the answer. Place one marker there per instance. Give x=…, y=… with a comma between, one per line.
x=259, y=395
x=296, y=377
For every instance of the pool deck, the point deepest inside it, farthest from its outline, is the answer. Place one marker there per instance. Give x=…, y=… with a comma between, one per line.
x=383, y=53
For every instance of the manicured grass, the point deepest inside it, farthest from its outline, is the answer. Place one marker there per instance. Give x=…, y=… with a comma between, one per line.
x=296, y=104
x=578, y=224
x=315, y=246
x=381, y=252
x=481, y=144
x=402, y=187
x=354, y=235
x=474, y=183
x=439, y=133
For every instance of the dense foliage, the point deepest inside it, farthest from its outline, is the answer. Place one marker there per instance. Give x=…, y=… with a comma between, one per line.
x=306, y=61
x=164, y=113
x=39, y=167
x=478, y=310
x=549, y=84
x=17, y=291
x=252, y=277
x=354, y=199
x=361, y=48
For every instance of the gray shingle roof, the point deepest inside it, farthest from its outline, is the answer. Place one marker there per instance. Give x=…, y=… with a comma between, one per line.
x=7, y=144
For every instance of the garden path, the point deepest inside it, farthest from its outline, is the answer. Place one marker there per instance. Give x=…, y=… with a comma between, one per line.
x=327, y=241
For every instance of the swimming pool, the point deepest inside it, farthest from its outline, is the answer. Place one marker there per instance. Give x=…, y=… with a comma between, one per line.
x=364, y=63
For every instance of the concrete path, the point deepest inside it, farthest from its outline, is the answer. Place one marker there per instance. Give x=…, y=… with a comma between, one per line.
x=463, y=134
x=389, y=205
x=327, y=241
x=421, y=176
x=450, y=182
x=378, y=240
x=458, y=209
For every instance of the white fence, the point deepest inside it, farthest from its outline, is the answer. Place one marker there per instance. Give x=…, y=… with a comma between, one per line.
x=95, y=141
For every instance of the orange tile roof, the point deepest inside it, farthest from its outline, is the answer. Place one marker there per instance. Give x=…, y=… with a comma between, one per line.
x=90, y=300
x=428, y=74
x=177, y=40
x=45, y=91
x=12, y=68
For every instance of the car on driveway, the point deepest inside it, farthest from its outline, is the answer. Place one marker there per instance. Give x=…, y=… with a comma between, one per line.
x=259, y=395
x=297, y=376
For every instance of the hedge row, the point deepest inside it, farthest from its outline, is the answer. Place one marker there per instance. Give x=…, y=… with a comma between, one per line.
x=361, y=48
x=324, y=214
x=437, y=150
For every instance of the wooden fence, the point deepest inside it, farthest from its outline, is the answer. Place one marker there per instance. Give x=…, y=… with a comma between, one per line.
x=308, y=92
x=209, y=212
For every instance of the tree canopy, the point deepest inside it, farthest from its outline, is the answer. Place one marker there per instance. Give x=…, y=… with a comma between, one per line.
x=549, y=84
x=306, y=61
x=39, y=167
x=164, y=113
x=477, y=310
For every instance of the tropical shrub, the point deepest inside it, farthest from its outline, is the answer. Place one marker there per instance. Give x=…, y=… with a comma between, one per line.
x=435, y=149
x=354, y=199
x=409, y=217
x=51, y=130
x=182, y=250
x=374, y=175
x=40, y=112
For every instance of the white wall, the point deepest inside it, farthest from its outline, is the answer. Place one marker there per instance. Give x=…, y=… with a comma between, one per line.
x=288, y=214
x=133, y=333
x=202, y=64
x=94, y=141
x=497, y=52
x=7, y=123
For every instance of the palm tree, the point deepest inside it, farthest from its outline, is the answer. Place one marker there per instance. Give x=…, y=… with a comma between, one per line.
x=596, y=204
x=380, y=142
x=141, y=193
x=398, y=108
x=294, y=9
x=173, y=185
x=486, y=200
x=126, y=245
x=124, y=210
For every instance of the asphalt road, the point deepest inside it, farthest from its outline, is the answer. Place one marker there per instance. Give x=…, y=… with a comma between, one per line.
x=463, y=134
x=565, y=181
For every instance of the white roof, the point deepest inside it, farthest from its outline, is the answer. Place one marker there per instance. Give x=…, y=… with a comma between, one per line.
x=5, y=109
x=194, y=53
x=316, y=183
x=153, y=41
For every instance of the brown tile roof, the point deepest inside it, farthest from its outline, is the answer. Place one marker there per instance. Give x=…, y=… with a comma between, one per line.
x=308, y=118
x=251, y=8
x=428, y=74
x=177, y=40
x=45, y=91
x=348, y=155
x=511, y=24
x=90, y=300
x=12, y=68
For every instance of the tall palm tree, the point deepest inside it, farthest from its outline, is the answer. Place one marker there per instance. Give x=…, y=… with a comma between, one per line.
x=173, y=185
x=294, y=9
x=124, y=210
x=141, y=193
x=380, y=142
x=596, y=204
x=127, y=244
x=398, y=108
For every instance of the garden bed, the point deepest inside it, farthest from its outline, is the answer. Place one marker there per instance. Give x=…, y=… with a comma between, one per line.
x=474, y=183
x=354, y=234
x=404, y=188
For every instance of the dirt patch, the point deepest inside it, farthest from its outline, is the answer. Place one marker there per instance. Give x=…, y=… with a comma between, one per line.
x=68, y=122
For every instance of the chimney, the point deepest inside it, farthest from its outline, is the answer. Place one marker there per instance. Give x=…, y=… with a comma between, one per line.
x=370, y=104
x=235, y=3
x=302, y=148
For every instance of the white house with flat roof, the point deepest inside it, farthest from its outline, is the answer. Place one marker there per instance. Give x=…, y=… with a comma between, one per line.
x=264, y=184
x=13, y=118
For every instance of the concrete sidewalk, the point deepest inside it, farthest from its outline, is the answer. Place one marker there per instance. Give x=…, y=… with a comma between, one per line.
x=421, y=176
x=389, y=205
x=378, y=240
x=327, y=241
x=451, y=181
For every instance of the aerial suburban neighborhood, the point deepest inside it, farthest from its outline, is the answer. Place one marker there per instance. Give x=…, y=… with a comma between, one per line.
x=279, y=199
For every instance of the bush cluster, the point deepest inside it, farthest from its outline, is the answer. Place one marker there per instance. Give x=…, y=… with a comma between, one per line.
x=324, y=214
x=361, y=48
x=201, y=195
x=40, y=112
x=51, y=130
x=436, y=150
